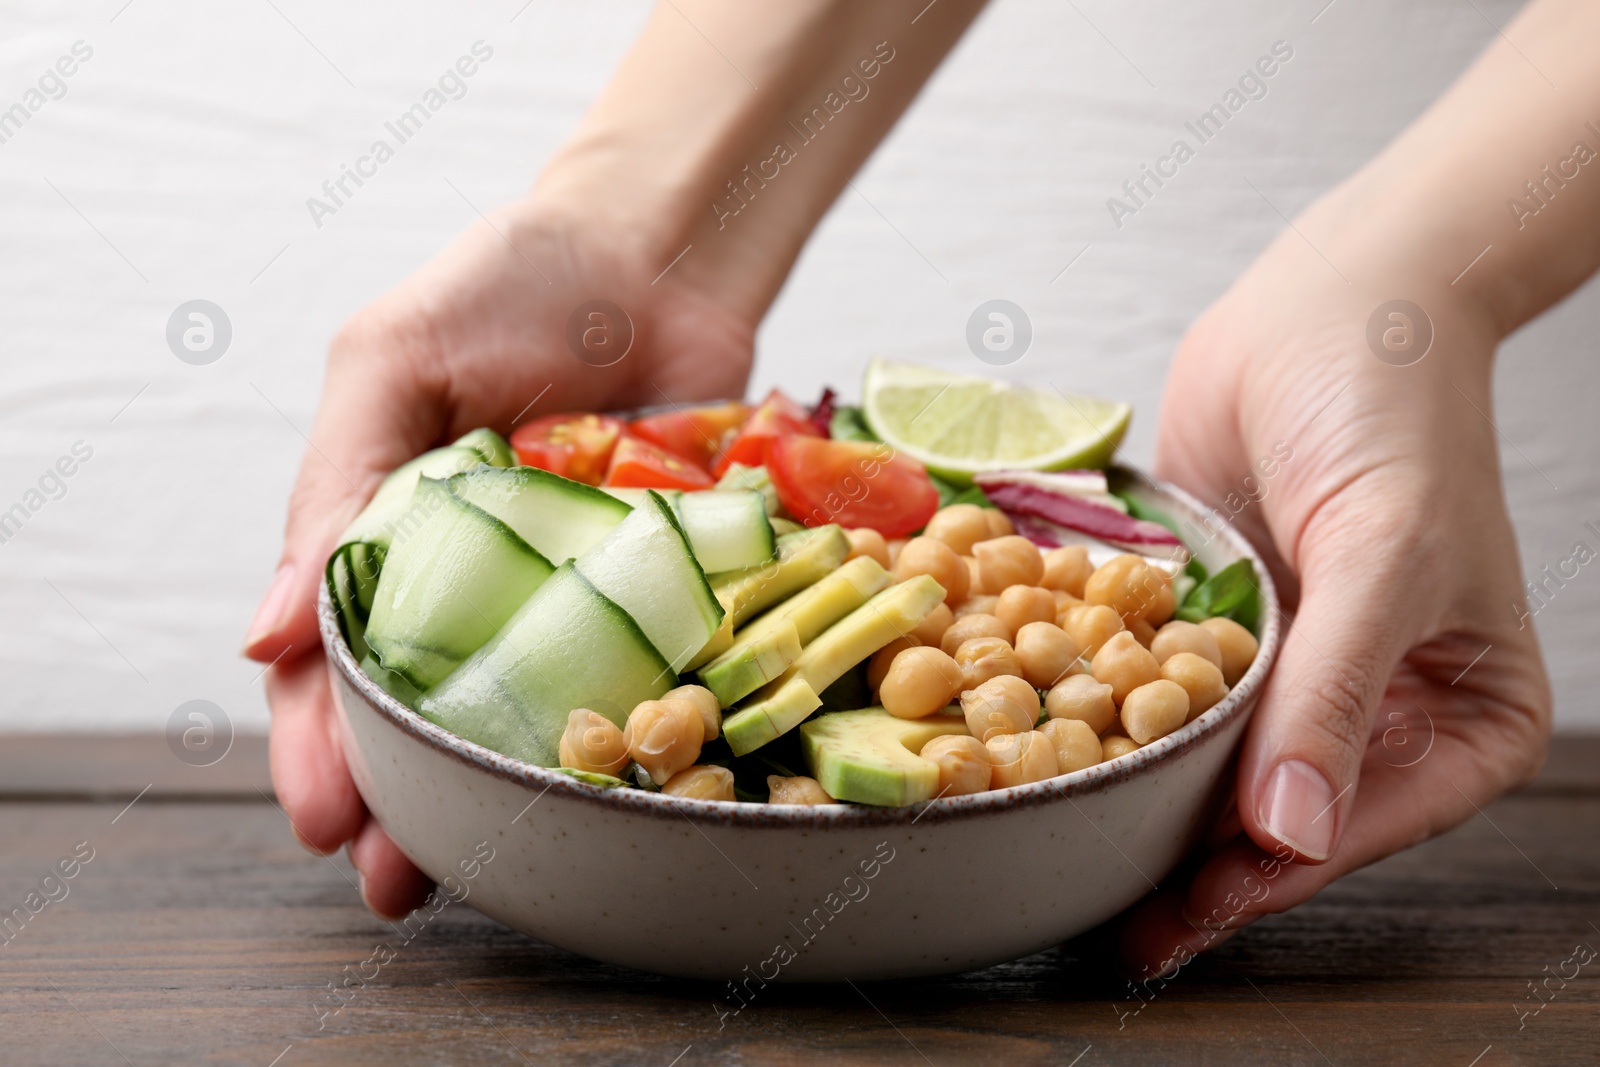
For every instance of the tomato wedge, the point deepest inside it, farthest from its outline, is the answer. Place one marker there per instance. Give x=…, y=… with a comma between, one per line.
x=853, y=483
x=697, y=433
x=776, y=415
x=576, y=446
x=640, y=464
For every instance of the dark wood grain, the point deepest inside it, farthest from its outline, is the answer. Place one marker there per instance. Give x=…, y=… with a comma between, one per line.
x=200, y=933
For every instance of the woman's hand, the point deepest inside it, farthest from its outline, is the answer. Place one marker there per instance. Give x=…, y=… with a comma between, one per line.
x=1408, y=691
x=476, y=338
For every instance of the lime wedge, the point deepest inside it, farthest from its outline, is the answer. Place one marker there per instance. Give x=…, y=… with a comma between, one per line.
x=959, y=424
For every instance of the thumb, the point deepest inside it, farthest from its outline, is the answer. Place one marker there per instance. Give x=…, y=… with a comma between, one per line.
x=1300, y=763
x=373, y=417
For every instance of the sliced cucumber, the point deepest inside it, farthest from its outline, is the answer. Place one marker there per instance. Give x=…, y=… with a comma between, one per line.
x=385, y=513
x=448, y=586
x=645, y=566
x=727, y=530
x=352, y=577
x=495, y=450
x=740, y=476
x=561, y=518
x=569, y=646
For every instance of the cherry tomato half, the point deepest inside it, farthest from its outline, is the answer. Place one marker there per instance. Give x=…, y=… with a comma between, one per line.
x=575, y=446
x=853, y=483
x=776, y=415
x=698, y=433
x=643, y=465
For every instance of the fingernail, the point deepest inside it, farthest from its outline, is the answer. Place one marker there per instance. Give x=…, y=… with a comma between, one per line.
x=269, y=616
x=1298, y=809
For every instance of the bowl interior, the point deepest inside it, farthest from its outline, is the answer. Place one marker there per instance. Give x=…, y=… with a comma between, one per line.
x=1223, y=545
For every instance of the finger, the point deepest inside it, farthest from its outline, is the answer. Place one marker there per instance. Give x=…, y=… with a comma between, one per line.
x=379, y=409
x=1155, y=937
x=1302, y=755
x=391, y=885
x=308, y=767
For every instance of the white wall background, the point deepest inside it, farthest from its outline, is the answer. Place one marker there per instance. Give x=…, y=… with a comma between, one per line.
x=189, y=142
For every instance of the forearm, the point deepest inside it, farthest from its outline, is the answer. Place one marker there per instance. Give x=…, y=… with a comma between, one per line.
x=731, y=127
x=1504, y=161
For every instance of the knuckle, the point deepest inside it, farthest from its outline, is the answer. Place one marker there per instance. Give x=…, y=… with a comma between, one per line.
x=1340, y=715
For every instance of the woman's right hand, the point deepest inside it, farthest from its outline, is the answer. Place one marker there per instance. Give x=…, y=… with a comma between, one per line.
x=478, y=337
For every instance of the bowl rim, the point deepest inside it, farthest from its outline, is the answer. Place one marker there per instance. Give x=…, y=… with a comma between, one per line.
x=1208, y=727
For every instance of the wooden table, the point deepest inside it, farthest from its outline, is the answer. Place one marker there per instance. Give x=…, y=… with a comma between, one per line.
x=199, y=932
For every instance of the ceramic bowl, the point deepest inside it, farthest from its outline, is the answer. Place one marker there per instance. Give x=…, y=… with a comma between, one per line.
x=751, y=893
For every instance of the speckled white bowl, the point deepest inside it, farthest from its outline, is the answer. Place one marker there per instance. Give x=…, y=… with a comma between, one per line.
x=748, y=893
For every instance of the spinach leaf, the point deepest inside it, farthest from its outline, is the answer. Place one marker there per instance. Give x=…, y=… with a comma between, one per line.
x=848, y=425
x=1230, y=593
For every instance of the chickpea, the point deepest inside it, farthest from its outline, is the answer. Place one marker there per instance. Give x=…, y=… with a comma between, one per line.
x=1164, y=604
x=963, y=762
x=1179, y=636
x=1045, y=653
x=983, y=658
x=592, y=742
x=1064, y=600
x=974, y=579
x=1116, y=745
x=878, y=666
x=960, y=526
x=1067, y=569
x=1124, y=664
x=894, y=547
x=999, y=523
x=1126, y=584
x=1077, y=745
x=1007, y=561
x=968, y=627
x=1091, y=626
x=1021, y=758
x=1080, y=697
x=976, y=605
x=1154, y=710
x=796, y=790
x=865, y=541
x=931, y=630
x=929, y=555
x=1022, y=604
x=1237, y=645
x=1003, y=705
x=701, y=783
x=1200, y=678
x=704, y=702
x=1142, y=632
x=920, y=682
x=664, y=737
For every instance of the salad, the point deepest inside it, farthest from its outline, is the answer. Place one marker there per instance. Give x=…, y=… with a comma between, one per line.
x=935, y=593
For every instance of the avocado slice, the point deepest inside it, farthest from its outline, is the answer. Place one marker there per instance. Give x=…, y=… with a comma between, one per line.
x=803, y=559
x=788, y=699
x=770, y=718
x=751, y=664
x=814, y=609
x=870, y=757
